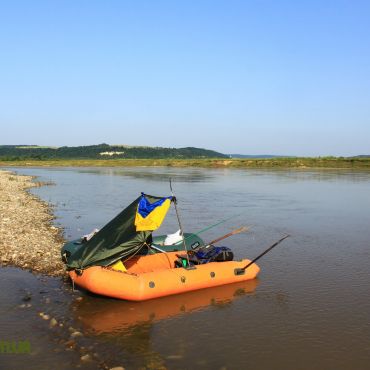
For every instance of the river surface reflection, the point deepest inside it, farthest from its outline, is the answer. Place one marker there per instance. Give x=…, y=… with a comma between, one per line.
x=309, y=309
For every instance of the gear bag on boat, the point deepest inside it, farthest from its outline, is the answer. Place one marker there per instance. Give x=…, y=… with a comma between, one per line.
x=212, y=253
x=207, y=254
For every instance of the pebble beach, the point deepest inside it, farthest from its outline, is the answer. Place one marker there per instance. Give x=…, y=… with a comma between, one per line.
x=28, y=238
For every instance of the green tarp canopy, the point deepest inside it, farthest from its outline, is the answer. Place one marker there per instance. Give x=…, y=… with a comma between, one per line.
x=117, y=239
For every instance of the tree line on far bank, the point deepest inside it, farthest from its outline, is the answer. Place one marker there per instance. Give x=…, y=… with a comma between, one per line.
x=102, y=151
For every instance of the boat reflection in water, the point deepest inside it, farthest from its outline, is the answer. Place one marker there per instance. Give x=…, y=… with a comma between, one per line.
x=103, y=315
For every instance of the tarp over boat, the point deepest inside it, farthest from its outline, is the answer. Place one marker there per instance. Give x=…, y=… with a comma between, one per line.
x=121, y=237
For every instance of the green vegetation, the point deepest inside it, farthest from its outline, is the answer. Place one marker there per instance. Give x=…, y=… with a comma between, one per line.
x=300, y=163
x=34, y=147
x=101, y=151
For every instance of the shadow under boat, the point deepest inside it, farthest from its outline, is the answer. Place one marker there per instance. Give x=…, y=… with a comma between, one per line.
x=100, y=315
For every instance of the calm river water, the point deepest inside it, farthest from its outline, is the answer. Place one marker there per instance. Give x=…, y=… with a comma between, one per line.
x=309, y=308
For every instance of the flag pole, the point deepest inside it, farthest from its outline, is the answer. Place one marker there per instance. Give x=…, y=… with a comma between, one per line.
x=179, y=221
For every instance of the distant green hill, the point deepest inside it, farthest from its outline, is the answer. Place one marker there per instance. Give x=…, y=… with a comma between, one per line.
x=102, y=151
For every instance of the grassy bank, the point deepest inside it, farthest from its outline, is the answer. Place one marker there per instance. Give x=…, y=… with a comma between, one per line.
x=319, y=162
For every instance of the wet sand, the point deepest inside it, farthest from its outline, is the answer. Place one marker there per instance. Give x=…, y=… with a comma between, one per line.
x=28, y=238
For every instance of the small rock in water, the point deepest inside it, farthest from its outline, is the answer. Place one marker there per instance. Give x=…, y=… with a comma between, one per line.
x=53, y=322
x=70, y=343
x=44, y=316
x=26, y=298
x=85, y=358
x=76, y=334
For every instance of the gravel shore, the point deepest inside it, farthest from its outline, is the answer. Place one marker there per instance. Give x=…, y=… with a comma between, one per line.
x=28, y=238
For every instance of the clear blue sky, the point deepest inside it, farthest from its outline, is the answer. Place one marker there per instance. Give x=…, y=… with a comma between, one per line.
x=251, y=77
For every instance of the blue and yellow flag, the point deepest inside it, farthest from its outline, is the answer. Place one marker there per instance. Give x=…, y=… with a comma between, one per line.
x=149, y=216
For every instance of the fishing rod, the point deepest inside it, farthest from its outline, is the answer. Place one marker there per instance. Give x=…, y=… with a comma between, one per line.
x=208, y=228
x=178, y=219
x=234, y=232
x=240, y=271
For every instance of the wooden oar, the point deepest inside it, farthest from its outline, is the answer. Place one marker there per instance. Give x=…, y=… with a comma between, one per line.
x=234, y=232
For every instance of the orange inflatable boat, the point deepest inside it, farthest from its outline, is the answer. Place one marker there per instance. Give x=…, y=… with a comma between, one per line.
x=153, y=276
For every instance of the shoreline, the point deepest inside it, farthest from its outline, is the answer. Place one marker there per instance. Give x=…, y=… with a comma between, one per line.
x=36, y=298
x=28, y=238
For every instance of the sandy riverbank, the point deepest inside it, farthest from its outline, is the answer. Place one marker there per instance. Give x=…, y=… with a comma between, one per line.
x=28, y=238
